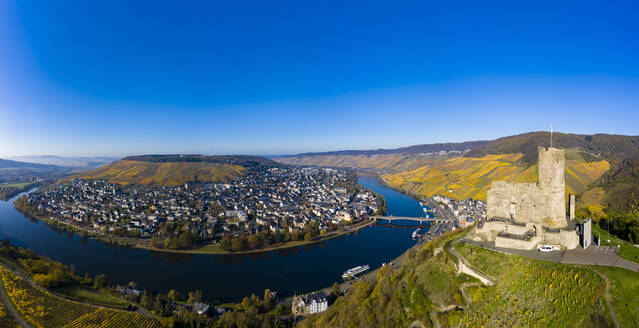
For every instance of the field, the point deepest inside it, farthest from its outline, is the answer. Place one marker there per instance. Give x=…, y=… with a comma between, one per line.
x=9, y=190
x=87, y=294
x=19, y=185
x=42, y=309
x=624, y=290
x=127, y=172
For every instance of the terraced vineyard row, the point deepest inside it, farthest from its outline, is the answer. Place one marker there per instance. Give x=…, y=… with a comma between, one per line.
x=5, y=319
x=105, y=318
x=44, y=310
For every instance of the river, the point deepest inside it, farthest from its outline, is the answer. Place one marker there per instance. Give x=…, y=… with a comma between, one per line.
x=223, y=277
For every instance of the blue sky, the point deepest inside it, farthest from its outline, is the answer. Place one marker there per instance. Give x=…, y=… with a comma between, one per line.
x=272, y=77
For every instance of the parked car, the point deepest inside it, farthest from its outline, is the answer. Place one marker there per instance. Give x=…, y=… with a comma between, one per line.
x=547, y=248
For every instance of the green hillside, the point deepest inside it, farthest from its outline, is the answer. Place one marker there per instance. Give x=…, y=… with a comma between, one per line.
x=427, y=291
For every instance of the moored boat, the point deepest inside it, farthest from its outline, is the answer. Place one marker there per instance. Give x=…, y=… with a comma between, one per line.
x=352, y=273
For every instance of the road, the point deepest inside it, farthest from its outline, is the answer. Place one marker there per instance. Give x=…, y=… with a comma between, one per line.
x=593, y=255
x=10, y=308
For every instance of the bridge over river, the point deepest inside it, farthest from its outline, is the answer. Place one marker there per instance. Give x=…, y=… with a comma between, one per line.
x=391, y=218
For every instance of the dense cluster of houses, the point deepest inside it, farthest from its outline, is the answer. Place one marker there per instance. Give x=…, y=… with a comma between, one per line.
x=272, y=199
x=465, y=211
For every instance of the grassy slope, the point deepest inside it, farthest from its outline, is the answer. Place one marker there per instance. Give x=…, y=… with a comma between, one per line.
x=164, y=173
x=624, y=291
x=471, y=177
x=522, y=295
x=90, y=295
x=532, y=293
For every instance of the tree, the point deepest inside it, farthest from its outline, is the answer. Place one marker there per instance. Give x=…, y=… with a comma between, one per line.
x=156, y=242
x=237, y=244
x=100, y=281
x=268, y=299
x=308, y=236
x=185, y=239
x=171, y=295
x=335, y=289
x=323, y=233
x=195, y=296
x=254, y=242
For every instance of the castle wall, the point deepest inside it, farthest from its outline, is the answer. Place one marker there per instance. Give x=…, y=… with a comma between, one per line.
x=543, y=202
x=566, y=238
x=524, y=202
x=516, y=243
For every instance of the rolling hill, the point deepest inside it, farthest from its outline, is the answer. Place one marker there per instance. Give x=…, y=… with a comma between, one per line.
x=172, y=170
x=9, y=164
x=463, y=177
x=601, y=168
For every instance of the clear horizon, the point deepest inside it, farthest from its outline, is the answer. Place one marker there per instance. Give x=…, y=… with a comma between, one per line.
x=125, y=78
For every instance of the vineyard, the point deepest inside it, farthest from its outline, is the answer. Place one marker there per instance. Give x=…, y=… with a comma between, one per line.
x=42, y=309
x=426, y=290
x=105, y=318
x=530, y=293
x=5, y=319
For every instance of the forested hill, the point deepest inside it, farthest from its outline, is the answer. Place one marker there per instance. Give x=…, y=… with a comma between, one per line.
x=173, y=170
x=242, y=160
x=614, y=148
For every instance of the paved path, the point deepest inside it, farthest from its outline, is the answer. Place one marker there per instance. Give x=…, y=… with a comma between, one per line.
x=465, y=267
x=10, y=308
x=593, y=255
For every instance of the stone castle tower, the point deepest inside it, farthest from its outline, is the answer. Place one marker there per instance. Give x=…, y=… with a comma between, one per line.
x=541, y=203
x=552, y=182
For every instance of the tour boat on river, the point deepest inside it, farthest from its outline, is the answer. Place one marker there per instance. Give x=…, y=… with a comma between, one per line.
x=352, y=273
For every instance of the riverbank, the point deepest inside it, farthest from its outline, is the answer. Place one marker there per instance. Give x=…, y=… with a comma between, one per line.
x=298, y=267
x=216, y=249
x=10, y=190
x=208, y=249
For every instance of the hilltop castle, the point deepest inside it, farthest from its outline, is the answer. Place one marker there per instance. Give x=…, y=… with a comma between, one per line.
x=523, y=215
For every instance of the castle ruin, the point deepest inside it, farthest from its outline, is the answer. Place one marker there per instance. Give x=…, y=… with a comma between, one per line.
x=523, y=215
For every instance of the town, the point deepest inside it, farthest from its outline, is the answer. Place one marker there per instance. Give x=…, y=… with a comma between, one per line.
x=285, y=202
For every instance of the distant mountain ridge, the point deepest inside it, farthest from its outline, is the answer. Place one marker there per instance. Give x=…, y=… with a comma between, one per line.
x=416, y=149
x=6, y=163
x=615, y=148
x=75, y=162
